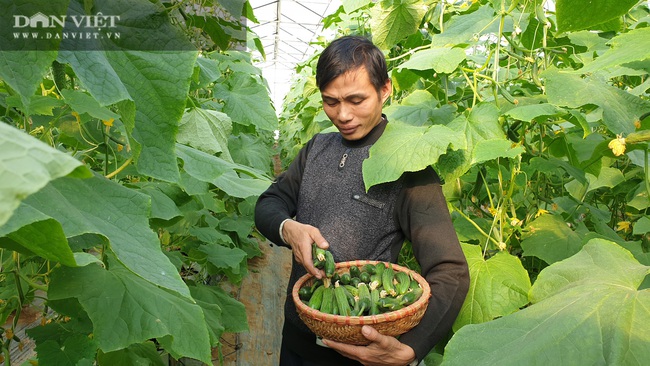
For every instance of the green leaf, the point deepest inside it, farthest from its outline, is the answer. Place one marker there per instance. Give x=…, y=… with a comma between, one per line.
x=76, y=348
x=116, y=300
x=481, y=124
x=642, y=226
x=27, y=165
x=620, y=108
x=37, y=233
x=234, y=318
x=441, y=59
x=252, y=151
x=65, y=342
x=625, y=48
x=206, y=130
x=247, y=101
x=351, y=5
x=390, y=24
x=420, y=109
x=24, y=62
x=100, y=206
x=162, y=207
x=134, y=355
x=38, y=104
x=588, y=310
x=404, y=148
x=151, y=65
x=529, y=112
x=241, y=187
x=221, y=173
x=82, y=103
x=95, y=70
x=549, y=238
x=572, y=16
x=462, y=29
x=498, y=286
x=487, y=150
x=223, y=257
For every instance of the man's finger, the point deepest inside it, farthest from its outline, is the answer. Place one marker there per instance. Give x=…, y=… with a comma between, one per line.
x=374, y=336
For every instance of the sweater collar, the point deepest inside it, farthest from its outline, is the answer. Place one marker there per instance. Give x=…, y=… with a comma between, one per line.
x=371, y=137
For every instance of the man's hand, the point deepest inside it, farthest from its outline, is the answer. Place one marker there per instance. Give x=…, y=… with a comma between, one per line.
x=300, y=237
x=382, y=351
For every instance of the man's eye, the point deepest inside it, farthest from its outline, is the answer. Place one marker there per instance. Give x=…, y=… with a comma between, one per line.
x=357, y=102
x=332, y=103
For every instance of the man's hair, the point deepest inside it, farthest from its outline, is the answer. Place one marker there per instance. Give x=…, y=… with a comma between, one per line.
x=349, y=53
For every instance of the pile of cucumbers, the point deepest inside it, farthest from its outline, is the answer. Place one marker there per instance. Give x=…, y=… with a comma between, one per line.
x=371, y=289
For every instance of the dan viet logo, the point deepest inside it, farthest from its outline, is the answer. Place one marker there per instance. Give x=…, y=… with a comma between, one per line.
x=41, y=26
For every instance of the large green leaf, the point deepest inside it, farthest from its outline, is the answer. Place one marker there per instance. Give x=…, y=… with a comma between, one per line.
x=404, y=148
x=481, y=124
x=66, y=342
x=125, y=309
x=463, y=29
x=136, y=354
x=247, y=101
x=440, y=59
x=100, y=206
x=206, y=130
x=620, y=108
x=31, y=232
x=394, y=22
x=23, y=62
x=529, y=112
x=150, y=65
x=549, y=238
x=588, y=310
x=234, y=318
x=27, y=165
x=223, y=257
x=487, y=150
x=573, y=15
x=626, y=48
x=498, y=286
x=420, y=108
x=223, y=174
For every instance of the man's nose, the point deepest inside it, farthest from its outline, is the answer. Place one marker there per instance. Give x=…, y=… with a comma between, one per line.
x=345, y=112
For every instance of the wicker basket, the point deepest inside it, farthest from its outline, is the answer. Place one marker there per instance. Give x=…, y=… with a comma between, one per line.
x=347, y=329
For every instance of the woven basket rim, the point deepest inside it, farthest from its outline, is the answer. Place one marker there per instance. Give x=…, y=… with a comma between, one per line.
x=305, y=310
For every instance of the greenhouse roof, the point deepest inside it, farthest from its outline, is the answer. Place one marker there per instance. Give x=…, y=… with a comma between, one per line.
x=287, y=28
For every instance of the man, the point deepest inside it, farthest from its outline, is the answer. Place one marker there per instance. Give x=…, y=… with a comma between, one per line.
x=321, y=199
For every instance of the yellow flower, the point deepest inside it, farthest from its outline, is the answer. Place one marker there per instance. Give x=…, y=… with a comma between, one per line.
x=540, y=212
x=617, y=146
x=623, y=226
x=109, y=122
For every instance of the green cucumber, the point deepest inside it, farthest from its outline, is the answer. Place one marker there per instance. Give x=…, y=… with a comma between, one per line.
x=330, y=265
x=316, y=299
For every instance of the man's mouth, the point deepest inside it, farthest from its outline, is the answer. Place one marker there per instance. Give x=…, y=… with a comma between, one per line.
x=347, y=130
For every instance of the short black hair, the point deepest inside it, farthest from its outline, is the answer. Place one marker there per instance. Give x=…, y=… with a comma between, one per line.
x=350, y=53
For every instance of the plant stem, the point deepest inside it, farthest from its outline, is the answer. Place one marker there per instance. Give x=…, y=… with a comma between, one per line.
x=118, y=170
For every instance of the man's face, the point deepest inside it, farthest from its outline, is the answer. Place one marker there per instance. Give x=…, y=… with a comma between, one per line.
x=352, y=103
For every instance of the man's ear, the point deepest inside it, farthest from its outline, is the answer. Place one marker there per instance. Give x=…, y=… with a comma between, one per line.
x=386, y=90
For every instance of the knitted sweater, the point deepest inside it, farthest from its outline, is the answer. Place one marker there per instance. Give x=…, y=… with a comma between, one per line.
x=323, y=187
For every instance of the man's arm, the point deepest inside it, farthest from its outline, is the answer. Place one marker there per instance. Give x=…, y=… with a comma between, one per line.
x=426, y=221
x=280, y=200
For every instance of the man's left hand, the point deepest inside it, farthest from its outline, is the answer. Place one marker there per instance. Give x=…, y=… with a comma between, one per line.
x=382, y=350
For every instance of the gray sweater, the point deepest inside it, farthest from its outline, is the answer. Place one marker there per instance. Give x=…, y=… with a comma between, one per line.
x=324, y=187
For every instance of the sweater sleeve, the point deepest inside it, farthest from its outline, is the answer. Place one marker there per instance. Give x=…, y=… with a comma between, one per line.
x=280, y=200
x=425, y=219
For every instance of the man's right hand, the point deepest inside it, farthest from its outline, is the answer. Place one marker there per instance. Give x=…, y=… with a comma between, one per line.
x=300, y=237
